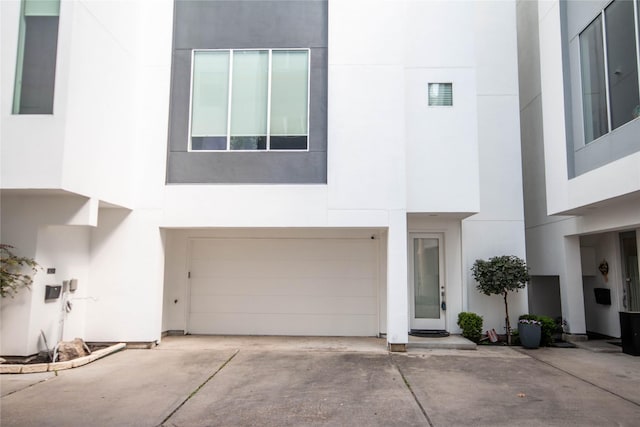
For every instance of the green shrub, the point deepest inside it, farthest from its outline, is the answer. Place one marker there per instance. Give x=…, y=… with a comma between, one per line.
x=548, y=328
x=12, y=271
x=471, y=325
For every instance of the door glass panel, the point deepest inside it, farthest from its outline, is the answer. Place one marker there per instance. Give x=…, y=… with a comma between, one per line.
x=426, y=278
x=631, y=293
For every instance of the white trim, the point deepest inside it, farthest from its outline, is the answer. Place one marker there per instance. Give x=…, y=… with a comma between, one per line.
x=187, y=305
x=230, y=96
x=605, y=52
x=193, y=56
x=269, y=82
x=308, y=96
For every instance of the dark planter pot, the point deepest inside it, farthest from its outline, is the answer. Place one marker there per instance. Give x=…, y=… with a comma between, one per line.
x=630, y=332
x=529, y=335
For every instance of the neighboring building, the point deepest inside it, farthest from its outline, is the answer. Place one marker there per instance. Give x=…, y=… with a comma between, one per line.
x=579, y=109
x=258, y=167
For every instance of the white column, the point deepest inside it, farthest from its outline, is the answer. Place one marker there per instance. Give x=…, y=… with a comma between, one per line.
x=397, y=290
x=571, y=290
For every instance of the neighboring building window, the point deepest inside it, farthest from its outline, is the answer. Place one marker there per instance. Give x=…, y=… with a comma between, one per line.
x=36, y=59
x=250, y=100
x=440, y=94
x=609, y=69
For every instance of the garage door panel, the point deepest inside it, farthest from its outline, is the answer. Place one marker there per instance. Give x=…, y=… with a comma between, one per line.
x=292, y=324
x=290, y=305
x=314, y=249
x=257, y=268
x=283, y=280
x=282, y=287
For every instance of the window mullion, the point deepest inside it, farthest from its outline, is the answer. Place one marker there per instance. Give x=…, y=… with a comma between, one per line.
x=269, y=100
x=606, y=69
x=229, y=99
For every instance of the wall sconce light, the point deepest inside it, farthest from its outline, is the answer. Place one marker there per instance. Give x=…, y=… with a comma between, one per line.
x=604, y=269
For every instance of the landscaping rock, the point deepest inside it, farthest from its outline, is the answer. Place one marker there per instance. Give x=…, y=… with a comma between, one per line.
x=69, y=350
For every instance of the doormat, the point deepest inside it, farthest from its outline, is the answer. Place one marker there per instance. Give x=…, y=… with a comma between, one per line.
x=428, y=333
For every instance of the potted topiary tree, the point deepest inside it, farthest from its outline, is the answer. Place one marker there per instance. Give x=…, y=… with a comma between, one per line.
x=500, y=275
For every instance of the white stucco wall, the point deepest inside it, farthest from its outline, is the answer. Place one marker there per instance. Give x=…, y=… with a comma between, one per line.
x=45, y=229
x=388, y=154
x=604, y=200
x=615, y=179
x=127, y=266
x=107, y=141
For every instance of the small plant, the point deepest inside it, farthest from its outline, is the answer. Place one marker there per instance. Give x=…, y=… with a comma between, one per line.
x=498, y=276
x=547, y=324
x=471, y=325
x=12, y=277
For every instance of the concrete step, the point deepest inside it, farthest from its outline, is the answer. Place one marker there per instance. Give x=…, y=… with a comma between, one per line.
x=452, y=342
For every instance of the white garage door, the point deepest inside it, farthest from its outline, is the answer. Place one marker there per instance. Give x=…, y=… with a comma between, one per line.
x=284, y=287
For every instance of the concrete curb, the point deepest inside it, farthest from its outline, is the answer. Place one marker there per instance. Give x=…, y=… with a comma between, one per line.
x=6, y=368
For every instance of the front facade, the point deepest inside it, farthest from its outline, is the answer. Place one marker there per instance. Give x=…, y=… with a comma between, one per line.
x=579, y=109
x=269, y=167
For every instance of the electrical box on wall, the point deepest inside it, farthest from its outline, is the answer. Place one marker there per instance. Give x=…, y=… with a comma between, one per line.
x=52, y=292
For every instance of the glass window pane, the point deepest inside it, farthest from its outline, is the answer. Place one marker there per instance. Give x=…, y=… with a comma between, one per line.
x=289, y=93
x=440, y=94
x=36, y=58
x=210, y=98
x=621, y=61
x=36, y=62
x=594, y=97
x=41, y=7
x=426, y=279
x=249, y=100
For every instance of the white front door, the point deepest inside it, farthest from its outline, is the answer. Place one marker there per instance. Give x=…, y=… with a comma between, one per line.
x=426, y=281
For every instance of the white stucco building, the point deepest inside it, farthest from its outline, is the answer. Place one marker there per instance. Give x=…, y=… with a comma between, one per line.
x=579, y=109
x=345, y=188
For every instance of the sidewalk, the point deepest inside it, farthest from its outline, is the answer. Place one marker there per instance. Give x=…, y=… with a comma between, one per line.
x=281, y=381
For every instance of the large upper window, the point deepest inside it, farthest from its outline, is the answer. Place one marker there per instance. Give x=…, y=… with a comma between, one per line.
x=609, y=69
x=250, y=100
x=36, y=59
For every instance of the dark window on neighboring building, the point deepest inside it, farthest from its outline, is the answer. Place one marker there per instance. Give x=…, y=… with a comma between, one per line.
x=36, y=59
x=609, y=69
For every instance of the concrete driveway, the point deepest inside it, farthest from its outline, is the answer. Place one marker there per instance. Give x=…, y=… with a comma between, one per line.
x=284, y=381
